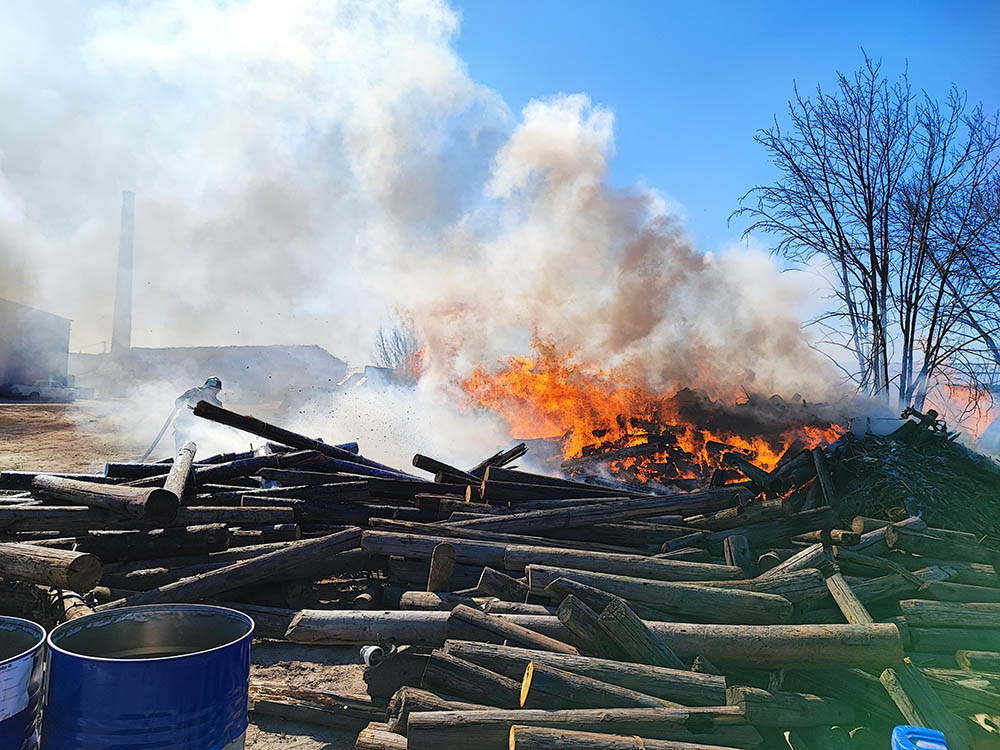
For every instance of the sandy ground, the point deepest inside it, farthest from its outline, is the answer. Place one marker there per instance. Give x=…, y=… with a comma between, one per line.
x=81, y=437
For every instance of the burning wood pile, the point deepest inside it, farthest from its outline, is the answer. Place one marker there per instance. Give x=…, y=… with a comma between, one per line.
x=500, y=608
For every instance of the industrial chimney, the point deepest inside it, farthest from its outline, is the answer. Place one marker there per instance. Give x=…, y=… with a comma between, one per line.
x=121, y=326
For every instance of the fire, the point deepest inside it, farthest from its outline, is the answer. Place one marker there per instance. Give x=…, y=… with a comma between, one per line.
x=604, y=416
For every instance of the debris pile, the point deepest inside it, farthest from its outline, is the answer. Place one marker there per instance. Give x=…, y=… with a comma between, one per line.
x=500, y=608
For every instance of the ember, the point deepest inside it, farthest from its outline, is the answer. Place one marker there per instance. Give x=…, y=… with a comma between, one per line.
x=604, y=423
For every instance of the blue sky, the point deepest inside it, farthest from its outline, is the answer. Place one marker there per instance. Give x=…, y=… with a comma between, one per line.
x=690, y=82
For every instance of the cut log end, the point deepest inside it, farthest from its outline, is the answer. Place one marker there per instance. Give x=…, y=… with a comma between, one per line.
x=161, y=506
x=529, y=672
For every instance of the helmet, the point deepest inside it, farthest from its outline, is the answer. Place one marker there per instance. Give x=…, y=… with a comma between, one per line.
x=213, y=382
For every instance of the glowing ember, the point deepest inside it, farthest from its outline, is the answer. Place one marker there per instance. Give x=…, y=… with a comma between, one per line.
x=603, y=417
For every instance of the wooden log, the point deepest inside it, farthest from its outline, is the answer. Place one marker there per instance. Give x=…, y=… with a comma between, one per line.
x=432, y=465
x=933, y=614
x=152, y=504
x=180, y=470
x=375, y=738
x=921, y=705
x=741, y=515
x=501, y=585
x=873, y=542
x=973, y=574
x=442, y=567
x=823, y=477
x=603, y=511
x=404, y=666
x=69, y=605
x=545, y=686
x=582, y=621
x=645, y=536
x=831, y=536
x=691, y=554
x=438, y=601
x=547, y=738
x=669, y=684
x=944, y=591
x=490, y=730
x=59, y=568
x=978, y=661
x=22, y=480
x=595, y=598
x=450, y=675
x=410, y=699
x=767, y=534
x=767, y=562
x=737, y=552
x=950, y=640
x=118, y=546
x=775, y=646
x=799, y=586
x=500, y=458
x=863, y=524
x=514, y=556
x=726, y=605
x=927, y=545
x=280, y=532
x=813, y=556
x=463, y=618
x=492, y=491
x=859, y=689
x=292, y=557
x=630, y=634
x=321, y=707
x=784, y=710
x=500, y=607
x=515, y=476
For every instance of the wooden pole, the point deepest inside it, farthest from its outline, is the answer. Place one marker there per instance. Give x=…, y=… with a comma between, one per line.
x=545, y=686
x=180, y=470
x=632, y=637
x=463, y=618
x=149, y=504
x=59, y=568
x=450, y=675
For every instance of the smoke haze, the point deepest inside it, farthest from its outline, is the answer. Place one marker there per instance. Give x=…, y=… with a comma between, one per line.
x=305, y=168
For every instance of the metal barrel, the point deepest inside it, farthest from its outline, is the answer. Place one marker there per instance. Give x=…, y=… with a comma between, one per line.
x=22, y=659
x=159, y=676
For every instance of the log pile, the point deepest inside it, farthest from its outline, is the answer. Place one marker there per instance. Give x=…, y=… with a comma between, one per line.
x=512, y=609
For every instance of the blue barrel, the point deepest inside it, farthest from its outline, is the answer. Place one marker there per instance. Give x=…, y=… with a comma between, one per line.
x=22, y=658
x=909, y=737
x=138, y=678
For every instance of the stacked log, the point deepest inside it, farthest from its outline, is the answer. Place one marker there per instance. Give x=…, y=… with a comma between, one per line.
x=519, y=610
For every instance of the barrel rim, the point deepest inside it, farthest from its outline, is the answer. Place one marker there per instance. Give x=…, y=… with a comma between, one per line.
x=151, y=608
x=43, y=638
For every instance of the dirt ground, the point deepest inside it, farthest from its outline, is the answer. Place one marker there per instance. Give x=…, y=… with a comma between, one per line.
x=81, y=437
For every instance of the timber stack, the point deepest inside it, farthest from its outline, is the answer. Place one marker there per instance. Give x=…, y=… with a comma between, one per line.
x=504, y=608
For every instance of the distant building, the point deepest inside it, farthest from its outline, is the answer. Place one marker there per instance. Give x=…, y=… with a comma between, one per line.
x=247, y=372
x=34, y=345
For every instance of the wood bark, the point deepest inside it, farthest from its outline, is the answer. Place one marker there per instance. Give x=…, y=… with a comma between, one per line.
x=442, y=567
x=463, y=618
x=630, y=634
x=784, y=710
x=775, y=646
x=59, y=568
x=373, y=738
x=450, y=675
x=545, y=686
x=737, y=552
x=180, y=470
x=409, y=699
x=873, y=542
x=292, y=557
x=670, y=684
x=595, y=598
x=501, y=585
x=945, y=591
x=927, y=545
x=120, y=546
x=490, y=730
x=689, y=599
x=152, y=504
x=582, y=622
x=547, y=738
x=924, y=613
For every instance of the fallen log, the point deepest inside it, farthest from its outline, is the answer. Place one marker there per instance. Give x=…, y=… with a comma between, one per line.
x=784, y=710
x=441, y=568
x=153, y=504
x=677, y=685
x=630, y=634
x=450, y=675
x=68, y=605
x=180, y=470
x=466, y=621
x=281, y=532
x=741, y=515
x=873, y=542
x=597, y=599
x=22, y=480
x=933, y=614
x=545, y=686
x=292, y=557
x=950, y=640
x=519, y=557
x=61, y=569
x=433, y=466
x=830, y=536
x=502, y=586
x=119, y=546
x=945, y=591
x=775, y=646
x=375, y=738
x=726, y=605
x=978, y=661
x=582, y=621
x=410, y=699
x=490, y=730
x=736, y=549
x=547, y=738
x=927, y=545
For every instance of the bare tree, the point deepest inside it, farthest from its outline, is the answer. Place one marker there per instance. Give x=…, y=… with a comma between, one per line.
x=900, y=195
x=398, y=348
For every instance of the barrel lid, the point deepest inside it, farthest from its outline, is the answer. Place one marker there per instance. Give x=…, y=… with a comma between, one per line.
x=909, y=737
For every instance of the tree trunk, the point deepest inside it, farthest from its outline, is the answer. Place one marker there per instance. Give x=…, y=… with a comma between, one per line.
x=784, y=710
x=453, y=676
x=545, y=686
x=632, y=637
x=153, y=504
x=61, y=569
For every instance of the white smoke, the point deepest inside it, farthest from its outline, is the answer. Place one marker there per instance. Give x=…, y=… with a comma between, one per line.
x=304, y=168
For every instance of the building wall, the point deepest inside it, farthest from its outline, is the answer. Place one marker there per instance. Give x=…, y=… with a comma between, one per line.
x=34, y=345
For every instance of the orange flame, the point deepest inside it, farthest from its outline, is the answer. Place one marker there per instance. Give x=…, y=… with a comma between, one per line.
x=598, y=411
